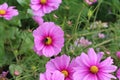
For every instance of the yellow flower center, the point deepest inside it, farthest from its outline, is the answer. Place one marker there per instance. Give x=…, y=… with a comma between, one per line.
x=65, y=73
x=2, y=12
x=48, y=41
x=43, y=1
x=94, y=69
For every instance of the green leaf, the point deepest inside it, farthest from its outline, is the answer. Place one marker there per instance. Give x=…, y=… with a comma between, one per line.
x=24, y=3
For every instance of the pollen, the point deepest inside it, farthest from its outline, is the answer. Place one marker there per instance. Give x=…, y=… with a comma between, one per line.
x=2, y=12
x=94, y=69
x=43, y=1
x=65, y=73
x=48, y=40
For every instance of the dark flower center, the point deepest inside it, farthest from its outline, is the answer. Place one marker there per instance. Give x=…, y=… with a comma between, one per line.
x=48, y=40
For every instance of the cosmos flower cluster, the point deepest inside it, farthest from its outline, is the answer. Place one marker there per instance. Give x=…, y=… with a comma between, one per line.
x=49, y=41
x=88, y=66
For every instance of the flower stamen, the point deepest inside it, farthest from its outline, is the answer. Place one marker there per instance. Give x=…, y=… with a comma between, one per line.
x=94, y=69
x=65, y=73
x=48, y=40
x=2, y=12
x=43, y=1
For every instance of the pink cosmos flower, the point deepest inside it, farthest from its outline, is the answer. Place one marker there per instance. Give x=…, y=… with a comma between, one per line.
x=7, y=12
x=3, y=75
x=118, y=74
x=41, y=7
x=90, y=2
x=101, y=35
x=48, y=76
x=118, y=54
x=82, y=42
x=48, y=39
x=90, y=67
x=63, y=65
x=38, y=19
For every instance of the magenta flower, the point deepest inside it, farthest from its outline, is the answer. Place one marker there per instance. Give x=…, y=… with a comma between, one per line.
x=7, y=12
x=118, y=54
x=118, y=74
x=48, y=39
x=101, y=35
x=90, y=2
x=63, y=65
x=38, y=19
x=41, y=7
x=3, y=75
x=82, y=42
x=48, y=76
x=90, y=67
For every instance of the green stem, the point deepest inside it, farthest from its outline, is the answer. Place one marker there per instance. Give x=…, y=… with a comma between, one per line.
x=105, y=42
x=13, y=51
x=77, y=21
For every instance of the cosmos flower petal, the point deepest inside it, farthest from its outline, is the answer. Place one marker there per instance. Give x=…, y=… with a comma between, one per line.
x=79, y=76
x=39, y=44
x=81, y=69
x=73, y=63
x=42, y=76
x=48, y=76
x=46, y=28
x=4, y=6
x=53, y=1
x=38, y=33
x=38, y=19
x=106, y=76
x=50, y=66
x=90, y=77
x=48, y=51
x=118, y=73
x=109, y=69
x=36, y=7
x=39, y=52
x=62, y=61
x=92, y=55
x=83, y=60
x=35, y=1
x=57, y=75
x=106, y=62
x=99, y=56
x=38, y=13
